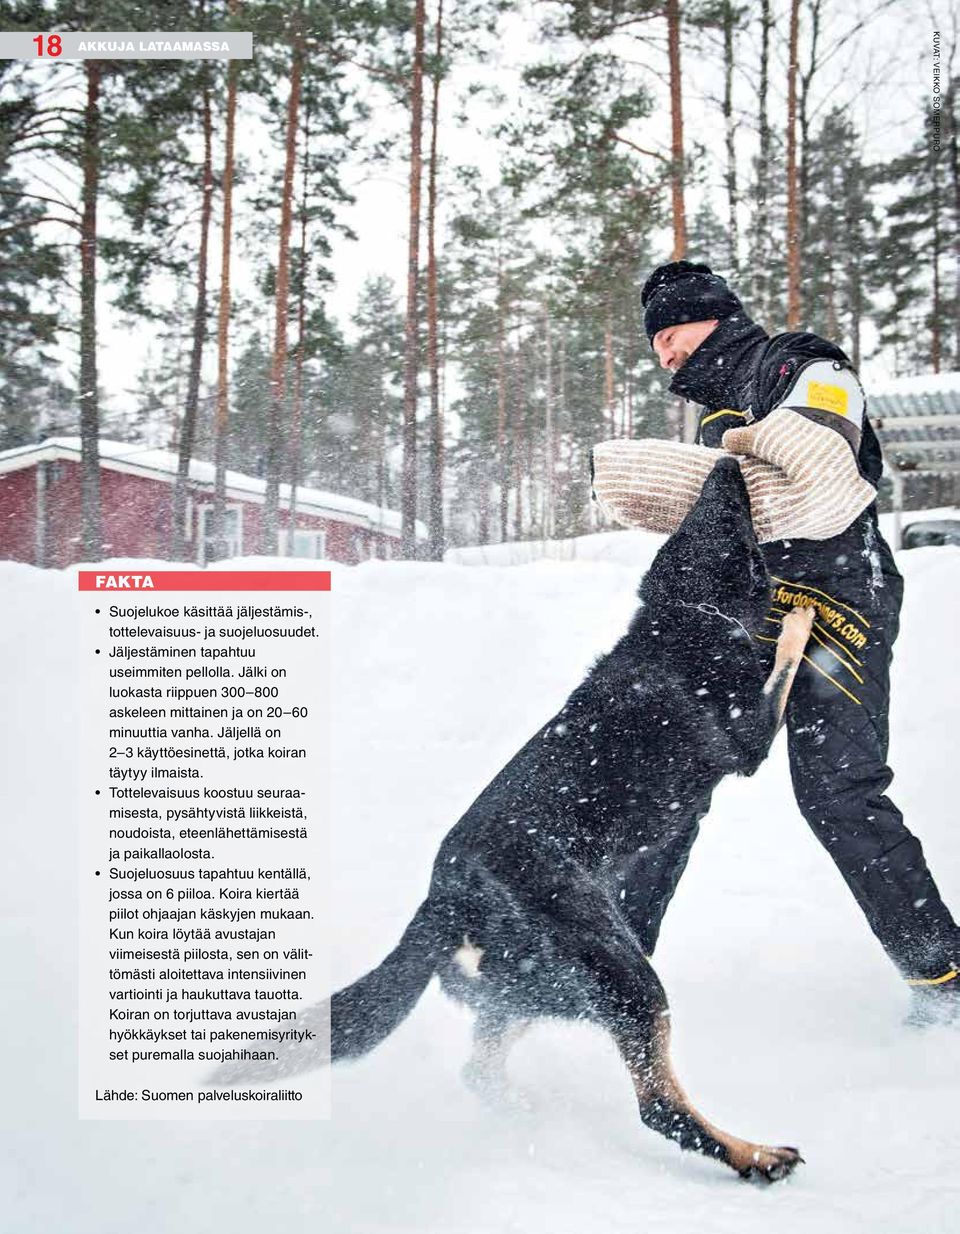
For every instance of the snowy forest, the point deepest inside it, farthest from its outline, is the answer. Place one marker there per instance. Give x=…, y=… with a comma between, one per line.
x=174, y=234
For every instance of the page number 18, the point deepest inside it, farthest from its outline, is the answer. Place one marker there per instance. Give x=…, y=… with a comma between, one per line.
x=54, y=47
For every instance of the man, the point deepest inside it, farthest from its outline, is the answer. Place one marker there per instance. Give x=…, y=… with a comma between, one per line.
x=837, y=717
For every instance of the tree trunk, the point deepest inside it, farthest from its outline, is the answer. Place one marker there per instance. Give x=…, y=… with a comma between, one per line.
x=803, y=116
x=408, y=495
x=549, y=451
x=531, y=487
x=854, y=275
x=188, y=427
x=171, y=357
x=91, y=528
x=436, y=417
x=672, y=12
x=223, y=317
x=560, y=418
x=955, y=178
x=856, y=312
x=483, y=528
x=609, y=399
x=518, y=432
x=936, y=309
x=381, y=432
x=729, y=19
x=762, y=248
x=278, y=372
x=502, y=393
x=296, y=423
x=832, y=322
x=793, y=222
x=518, y=485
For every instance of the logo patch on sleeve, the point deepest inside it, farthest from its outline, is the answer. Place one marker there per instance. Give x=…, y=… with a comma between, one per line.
x=826, y=386
x=827, y=398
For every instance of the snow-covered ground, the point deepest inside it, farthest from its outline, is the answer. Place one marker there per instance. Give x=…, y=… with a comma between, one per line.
x=787, y=1017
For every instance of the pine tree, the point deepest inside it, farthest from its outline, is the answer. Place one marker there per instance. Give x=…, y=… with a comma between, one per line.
x=31, y=268
x=373, y=370
x=301, y=77
x=30, y=271
x=726, y=20
x=708, y=236
x=763, y=283
x=82, y=133
x=793, y=186
x=914, y=257
x=224, y=307
x=841, y=230
x=595, y=92
x=435, y=477
x=145, y=417
x=246, y=447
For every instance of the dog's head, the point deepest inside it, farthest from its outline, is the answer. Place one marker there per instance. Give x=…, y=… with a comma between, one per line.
x=713, y=557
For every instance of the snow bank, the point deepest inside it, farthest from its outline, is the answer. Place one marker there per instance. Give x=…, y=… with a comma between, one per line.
x=923, y=383
x=623, y=547
x=787, y=1015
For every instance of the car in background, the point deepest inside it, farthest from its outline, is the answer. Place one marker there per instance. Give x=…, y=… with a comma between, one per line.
x=932, y=532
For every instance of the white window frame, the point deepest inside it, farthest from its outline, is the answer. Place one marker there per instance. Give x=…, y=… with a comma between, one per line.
x=319, y=536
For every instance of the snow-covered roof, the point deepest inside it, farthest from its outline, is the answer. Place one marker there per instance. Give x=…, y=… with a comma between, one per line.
x=925, y=383
x=138, y=459
x=918, y=422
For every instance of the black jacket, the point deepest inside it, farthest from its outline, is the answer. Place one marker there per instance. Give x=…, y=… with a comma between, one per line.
x=740, y=367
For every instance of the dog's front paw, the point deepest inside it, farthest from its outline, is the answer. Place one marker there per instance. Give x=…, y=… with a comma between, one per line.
x=769, y=1165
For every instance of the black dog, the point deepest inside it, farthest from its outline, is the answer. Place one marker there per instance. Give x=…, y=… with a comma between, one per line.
x=520, y=922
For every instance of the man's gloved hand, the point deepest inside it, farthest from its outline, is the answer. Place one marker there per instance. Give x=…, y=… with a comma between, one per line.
x=824, y=490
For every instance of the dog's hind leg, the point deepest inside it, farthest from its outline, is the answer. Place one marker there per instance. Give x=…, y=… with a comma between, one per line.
x=794, y=634
x=485, y=1072
x=665, y=1107
x=621, y=992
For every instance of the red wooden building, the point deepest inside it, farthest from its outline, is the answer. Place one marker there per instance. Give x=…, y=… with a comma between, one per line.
x=40, y=509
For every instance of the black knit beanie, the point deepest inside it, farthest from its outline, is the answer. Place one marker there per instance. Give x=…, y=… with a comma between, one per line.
x=683, y=291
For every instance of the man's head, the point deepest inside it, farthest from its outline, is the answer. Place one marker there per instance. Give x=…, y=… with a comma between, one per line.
x=683, y=301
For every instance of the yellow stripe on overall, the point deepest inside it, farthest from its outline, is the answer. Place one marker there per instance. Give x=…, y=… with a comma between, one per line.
x=725, y=412
x=934, y=980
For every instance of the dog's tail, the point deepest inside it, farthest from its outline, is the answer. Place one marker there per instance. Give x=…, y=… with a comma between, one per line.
x=367, y=1012
x=358, y=1017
